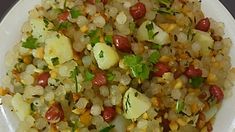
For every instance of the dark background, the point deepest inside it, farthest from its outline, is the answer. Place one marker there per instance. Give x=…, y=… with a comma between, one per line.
x=5, y=5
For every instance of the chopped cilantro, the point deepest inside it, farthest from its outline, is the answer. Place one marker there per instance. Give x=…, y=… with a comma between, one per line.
x=150, y=29
x=196, y=81
x=75, y=13
x=88, y=75
x=179, y=106
x=137, y=67
x=64, y=25
x=156, y=46
x=33, y=107
x=46, y=21
x=30, y=43
x=101, y=54
x=165, y=2
x=110, y=76
x=55, y=61
x=165, y=10
x=73, y=75
x=154, y=57
x=94, y=37
x=108, y=40
x=107, y=129
x=127, y=104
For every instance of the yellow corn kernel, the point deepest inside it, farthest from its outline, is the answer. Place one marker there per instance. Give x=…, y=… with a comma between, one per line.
x=204, y=129
x=39, y=53
x=3, y=91
x=118, y=109
x=155, y=101
x=84, y=29
x=85, y=118
x=78, y=111
x=27, y=59
x=181, y=122
x=130, y=127
x=194, y=108
x=178, y=84
x=168, y=27
x=122, y=89
x=211, y=78
x=53, y=74
x=173, y=126
x=165, y=59
x=145, y=116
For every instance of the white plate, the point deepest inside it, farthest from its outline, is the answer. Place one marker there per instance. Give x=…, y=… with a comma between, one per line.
x=10, y=34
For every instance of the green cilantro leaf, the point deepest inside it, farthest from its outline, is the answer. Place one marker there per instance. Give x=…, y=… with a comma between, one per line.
x=150, y=29
x=156, y=46
x=64, y=25
x=165, y=2
x=196, y=81
x=75, y=13
x=108, y=40
x=88, y=75
x=107, y=129
x=154, y=57
x=166, y=10
x=131, y=60
x=30, y=43
x=55, y=61
x=46, y=21
x=101, y=54
x=94, y=37
x=179, y=106
x=137, y=67
x=110, y=76
x=132, y=27
x=73, y=75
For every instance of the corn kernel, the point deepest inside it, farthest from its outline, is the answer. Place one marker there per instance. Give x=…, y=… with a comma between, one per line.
x=194, y=108
x=53, y=74
x=211, y=78
x=173, y=126
x=84, y=29
x=165, y=59
x=3, y=91
x=118, y=110
x=78, y=111
x=178, y=84
x=168, y=27
x=204, y=129
x=145, y=116
x=85, y=118
x=181, y=122
x=40, y=53
x=130, y=127
x=155, y=101
x=27, y=59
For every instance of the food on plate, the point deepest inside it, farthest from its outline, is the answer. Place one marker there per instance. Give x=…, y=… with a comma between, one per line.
x=116, y=65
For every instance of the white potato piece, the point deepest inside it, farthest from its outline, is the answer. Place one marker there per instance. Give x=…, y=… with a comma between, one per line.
x=161, y=37
x=40, y=29
x=105, y=56
x=57, y=48
x=135, y=104
x=21, y=108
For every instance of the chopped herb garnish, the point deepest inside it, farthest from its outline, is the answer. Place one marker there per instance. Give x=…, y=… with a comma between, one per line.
x=179, y=106
x=150, y=29
x=108, y=40
x=55, y=61
x=156, y=46
x=110, y=76
x=196, y=81
x=30, y=43
x=165, y=2
x=64, y=25
x=94, y=37
x=75, y=13
x=73, y=75
x=88, y=75
x=46, y=21
x=166, y=10
x=127, y=104
x=101, y=54
x=107, y=129
x=137, y=67
x=33, y=107
x=154, y=57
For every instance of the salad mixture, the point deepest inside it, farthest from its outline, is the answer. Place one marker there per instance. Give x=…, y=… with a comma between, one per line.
x=118, y=65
